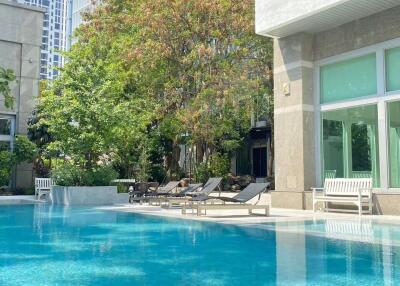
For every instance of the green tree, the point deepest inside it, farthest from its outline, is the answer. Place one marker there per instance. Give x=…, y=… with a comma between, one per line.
x=7, y=76
x=150, y=75
x=24, y=151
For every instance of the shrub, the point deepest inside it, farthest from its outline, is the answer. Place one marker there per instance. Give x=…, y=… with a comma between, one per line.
x=103, y=176
x=219, y=165
x=7, y=160
x=25, y=150
x=69, y=174
x=201, y=173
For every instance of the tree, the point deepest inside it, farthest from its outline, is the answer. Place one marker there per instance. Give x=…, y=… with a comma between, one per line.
x=146, y=76
x=7, y=76
x=213, y=65
x=200, y=60
x=24, y=151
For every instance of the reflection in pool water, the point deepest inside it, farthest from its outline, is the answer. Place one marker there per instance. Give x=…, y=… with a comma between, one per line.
x=42, y=245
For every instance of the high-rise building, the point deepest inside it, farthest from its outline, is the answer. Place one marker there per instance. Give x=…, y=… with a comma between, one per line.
x=75, y=10
x=78, y=7
x=54, y=35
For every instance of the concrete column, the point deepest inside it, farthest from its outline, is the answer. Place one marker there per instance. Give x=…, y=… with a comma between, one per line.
x=294, y=121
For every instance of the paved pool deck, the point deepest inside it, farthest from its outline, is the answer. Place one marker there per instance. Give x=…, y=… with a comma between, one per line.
x=240, y=217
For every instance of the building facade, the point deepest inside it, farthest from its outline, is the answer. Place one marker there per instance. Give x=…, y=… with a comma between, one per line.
x=75, y=18
x=54, y=35
x=337, y=96
x=20, y=43
x=78, y=7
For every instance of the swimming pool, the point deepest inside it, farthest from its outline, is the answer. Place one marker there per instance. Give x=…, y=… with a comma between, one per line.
x=42, y=245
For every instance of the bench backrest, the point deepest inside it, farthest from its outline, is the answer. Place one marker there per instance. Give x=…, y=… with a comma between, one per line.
x=43, y=183
x=348, y=187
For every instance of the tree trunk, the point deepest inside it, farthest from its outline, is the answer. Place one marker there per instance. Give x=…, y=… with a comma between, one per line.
x=172, y=162
x=200, y=149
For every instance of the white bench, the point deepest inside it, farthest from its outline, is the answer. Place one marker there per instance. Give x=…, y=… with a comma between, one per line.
x=42, y=187
x=353, y=191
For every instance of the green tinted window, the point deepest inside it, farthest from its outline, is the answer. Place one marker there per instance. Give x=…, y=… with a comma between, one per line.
x=392, y=58
x=394, y=143
x=350, y=143
x=5, y=126
x=349, y=79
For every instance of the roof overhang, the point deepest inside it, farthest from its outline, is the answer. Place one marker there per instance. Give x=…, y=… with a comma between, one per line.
x=277, y=18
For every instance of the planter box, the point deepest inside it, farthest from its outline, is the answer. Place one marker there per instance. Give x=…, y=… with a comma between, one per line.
x=71, y=196
x=122, y=198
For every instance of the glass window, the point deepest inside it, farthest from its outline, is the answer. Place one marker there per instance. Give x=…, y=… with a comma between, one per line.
x=348, y=79
x=5, y=146
x=350, y=143
x=394, y=143
x=5, y=126
x=392, y=64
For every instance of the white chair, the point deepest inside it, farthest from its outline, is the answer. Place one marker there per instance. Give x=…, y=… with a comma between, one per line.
x=362, y=174
x=330, y=174
x=42, y=187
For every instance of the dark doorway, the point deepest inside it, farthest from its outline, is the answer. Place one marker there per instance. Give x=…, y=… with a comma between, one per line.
x=260, y=162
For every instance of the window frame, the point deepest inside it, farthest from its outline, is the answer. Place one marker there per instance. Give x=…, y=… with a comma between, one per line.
x=9, y=138
x=381, y=99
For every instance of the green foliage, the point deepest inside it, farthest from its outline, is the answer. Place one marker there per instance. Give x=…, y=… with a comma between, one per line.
x=219, y=165
x=201, y=173
x=69, y=174
x=7, y=76
x=7, y=161
x=144, y=166
x=143, y=73
x=25, y=150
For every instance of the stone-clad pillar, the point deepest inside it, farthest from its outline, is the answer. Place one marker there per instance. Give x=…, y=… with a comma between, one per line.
x=294, y=121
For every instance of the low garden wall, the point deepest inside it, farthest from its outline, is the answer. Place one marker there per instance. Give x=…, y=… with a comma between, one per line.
x=70, y=196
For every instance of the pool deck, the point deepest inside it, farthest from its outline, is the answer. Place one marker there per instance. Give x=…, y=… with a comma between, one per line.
x=240, y=217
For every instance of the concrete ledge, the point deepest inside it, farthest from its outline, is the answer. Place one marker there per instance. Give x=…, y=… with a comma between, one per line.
x=10, y=200
x=70, y=196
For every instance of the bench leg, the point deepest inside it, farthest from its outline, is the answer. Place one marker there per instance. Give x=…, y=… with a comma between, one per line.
x=370, y=206
x=267, y=211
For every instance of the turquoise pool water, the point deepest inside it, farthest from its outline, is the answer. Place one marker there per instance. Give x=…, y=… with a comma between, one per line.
x=41, y=245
